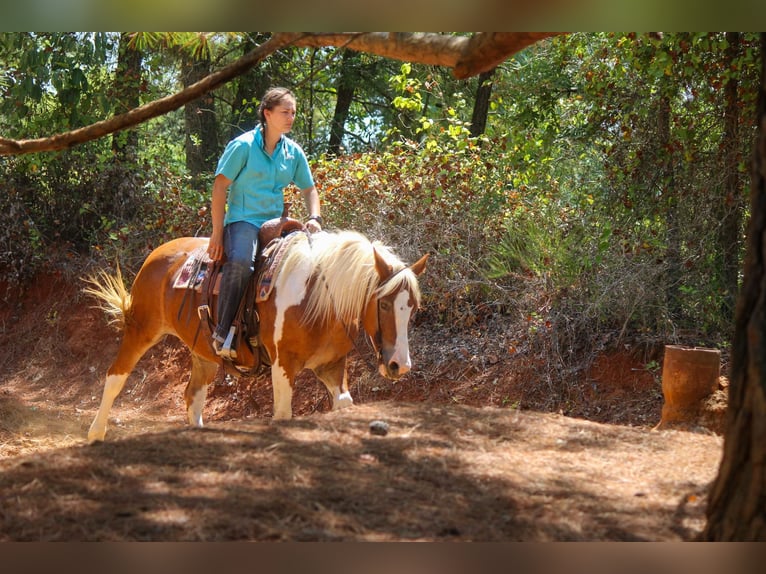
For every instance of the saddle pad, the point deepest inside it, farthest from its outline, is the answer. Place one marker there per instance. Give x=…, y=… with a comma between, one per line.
x=272, y=259
x=193, y=271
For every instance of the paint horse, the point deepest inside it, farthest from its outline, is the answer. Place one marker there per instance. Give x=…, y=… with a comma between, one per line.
x=329, y=286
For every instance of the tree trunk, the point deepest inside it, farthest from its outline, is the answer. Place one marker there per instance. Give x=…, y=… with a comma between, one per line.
x=200, y=121
x=250, y=87
x=729, y=204
x=310, y=115
x=689, y=375
x=117, y=196
x=481, y=105
x=670, y=197
x=737, y=504
x=126, y=92
x=345, y=90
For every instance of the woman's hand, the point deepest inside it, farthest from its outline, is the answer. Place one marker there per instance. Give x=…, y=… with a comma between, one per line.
x=313, y=226
x=215, y=248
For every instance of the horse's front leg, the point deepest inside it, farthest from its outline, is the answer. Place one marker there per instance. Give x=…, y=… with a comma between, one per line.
x=335, y=379
x=282, y=380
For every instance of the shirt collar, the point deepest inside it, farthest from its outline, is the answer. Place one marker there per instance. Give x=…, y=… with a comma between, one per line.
x=262, y=141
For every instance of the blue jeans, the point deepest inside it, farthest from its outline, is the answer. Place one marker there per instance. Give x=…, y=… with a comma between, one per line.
x=240, y=243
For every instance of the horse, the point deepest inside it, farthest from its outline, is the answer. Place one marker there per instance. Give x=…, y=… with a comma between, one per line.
x=330, y=285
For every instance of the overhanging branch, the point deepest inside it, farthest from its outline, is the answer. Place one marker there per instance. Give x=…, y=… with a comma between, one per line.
x=150, y=110
x=466, y=55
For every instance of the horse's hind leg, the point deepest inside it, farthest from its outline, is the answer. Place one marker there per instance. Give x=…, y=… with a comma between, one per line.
x=202, y=375
x=131, y=350
x=335, y=379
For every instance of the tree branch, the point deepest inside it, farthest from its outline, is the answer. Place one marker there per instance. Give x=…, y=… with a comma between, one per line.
x=150, y=110
x=485, y=50
x=424, y=48
x=468, y=56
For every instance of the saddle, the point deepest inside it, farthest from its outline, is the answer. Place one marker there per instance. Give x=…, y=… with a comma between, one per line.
x=251, y=355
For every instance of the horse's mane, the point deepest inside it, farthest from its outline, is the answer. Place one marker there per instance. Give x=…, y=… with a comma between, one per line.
x=344, y=274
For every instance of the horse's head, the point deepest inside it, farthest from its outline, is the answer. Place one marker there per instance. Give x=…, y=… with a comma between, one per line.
x=388, y=314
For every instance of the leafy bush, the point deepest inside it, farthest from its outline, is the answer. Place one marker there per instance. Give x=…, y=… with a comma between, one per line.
x=81, y=203
x=448, y=203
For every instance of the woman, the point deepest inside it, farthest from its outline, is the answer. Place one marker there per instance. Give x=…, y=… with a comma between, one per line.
x=248, y=191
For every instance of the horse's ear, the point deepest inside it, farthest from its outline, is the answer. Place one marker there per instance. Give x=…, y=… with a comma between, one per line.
x=420, y=265
x=381, y=265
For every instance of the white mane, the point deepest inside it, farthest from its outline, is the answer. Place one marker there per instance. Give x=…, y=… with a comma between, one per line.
x=344, y=277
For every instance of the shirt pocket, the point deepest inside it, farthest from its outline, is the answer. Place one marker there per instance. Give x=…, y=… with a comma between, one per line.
x=284, y=174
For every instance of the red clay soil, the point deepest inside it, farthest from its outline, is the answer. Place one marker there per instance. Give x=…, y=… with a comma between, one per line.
x=480, y=447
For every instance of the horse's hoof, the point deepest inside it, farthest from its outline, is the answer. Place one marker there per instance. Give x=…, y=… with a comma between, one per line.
x=344, y=401
x=95, y=438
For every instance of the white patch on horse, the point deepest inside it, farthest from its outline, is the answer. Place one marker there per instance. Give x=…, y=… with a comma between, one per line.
x=290, y=291
x=343, y=400
x=402, y=312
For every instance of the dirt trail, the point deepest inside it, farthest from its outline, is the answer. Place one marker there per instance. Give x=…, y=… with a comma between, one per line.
x=445, y=471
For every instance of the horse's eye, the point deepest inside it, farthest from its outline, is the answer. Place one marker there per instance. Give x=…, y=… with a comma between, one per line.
x=385, y=306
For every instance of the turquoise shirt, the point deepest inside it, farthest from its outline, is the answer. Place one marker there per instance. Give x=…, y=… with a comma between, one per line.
x=258, y=180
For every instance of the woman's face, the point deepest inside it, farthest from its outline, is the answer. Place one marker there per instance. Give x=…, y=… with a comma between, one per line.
x=281, y=116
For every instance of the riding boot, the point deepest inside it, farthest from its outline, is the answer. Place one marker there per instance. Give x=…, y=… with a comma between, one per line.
x=233, y=282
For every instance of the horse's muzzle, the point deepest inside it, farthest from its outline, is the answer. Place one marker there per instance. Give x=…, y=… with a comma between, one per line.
x=393, y=369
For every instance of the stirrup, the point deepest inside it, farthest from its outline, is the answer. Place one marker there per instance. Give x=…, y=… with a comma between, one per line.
x=225, y=350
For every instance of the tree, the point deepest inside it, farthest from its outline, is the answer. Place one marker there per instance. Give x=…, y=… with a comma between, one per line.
x=737, y=503
x=345, y=94
x=729, y=203
x=481, y=103
x=199, y=118
x=126, y=94
x=154, y=109
x=121, y=184
x=669, y=196
x=250, y=86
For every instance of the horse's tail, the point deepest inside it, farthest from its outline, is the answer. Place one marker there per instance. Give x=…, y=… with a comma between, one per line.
x=114, y=298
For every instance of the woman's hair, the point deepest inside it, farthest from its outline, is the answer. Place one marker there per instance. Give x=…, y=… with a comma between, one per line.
x=272, y=98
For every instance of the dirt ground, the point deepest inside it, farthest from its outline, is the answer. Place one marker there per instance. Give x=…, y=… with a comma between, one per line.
x=471, y=453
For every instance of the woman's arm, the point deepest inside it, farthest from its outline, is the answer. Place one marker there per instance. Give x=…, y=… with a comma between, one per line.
x=217, y=212
x=311, y=198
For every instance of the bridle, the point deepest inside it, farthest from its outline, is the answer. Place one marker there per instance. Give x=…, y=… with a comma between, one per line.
x=376, y=340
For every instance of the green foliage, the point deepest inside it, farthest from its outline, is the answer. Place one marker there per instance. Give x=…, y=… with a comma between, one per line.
x=425, y=115
x=81, y=200
x=562, y=215
x=53, y=82
x=541, y=245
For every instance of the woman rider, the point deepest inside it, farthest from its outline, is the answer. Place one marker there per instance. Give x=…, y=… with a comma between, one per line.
x=252, y=173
